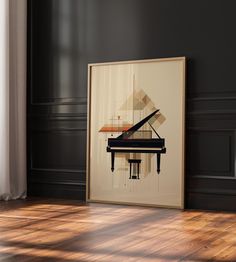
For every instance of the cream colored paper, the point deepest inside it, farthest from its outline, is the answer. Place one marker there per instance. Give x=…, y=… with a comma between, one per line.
x=124, y=93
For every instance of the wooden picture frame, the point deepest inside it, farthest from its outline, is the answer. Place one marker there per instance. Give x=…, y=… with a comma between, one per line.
x=155, y=82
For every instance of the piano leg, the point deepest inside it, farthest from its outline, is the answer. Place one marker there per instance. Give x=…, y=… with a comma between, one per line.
x=138, y=170
x=112, y=160
x=158, y=163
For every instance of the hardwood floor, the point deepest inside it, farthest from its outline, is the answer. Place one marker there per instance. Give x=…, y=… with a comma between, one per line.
x=59, y=230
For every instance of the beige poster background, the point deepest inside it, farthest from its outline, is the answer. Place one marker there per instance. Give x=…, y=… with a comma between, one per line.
x=113, y=91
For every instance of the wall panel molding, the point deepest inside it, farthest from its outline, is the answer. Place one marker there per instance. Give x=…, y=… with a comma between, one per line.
x=57, y=111
x=206, y=147
x=74, y=33
x=62, y=101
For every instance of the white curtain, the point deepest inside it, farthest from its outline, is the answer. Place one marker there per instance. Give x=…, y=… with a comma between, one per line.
x=12, y=99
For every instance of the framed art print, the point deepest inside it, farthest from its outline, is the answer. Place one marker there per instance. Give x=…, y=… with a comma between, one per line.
x=135, y=135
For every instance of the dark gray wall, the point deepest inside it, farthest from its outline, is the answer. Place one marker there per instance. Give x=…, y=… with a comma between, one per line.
x=65, y=35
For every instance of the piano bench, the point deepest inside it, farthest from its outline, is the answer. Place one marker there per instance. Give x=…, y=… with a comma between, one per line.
x=134, y=161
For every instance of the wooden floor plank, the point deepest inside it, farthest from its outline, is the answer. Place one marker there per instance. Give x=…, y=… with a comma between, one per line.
x=68, y=231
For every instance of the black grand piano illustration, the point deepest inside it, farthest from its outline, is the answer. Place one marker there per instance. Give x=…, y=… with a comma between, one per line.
x=125, y=143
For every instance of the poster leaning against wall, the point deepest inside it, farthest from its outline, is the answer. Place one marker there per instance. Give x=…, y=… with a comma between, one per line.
x=135, y=135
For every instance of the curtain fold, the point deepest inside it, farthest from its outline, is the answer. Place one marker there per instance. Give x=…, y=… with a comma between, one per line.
x=12, y=99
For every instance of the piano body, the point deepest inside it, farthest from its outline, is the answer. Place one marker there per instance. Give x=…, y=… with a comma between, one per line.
x=125, y=144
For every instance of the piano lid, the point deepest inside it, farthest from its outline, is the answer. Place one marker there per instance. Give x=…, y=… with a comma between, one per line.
x=134, y=128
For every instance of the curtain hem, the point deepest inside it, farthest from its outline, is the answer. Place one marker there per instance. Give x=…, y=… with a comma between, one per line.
x=7, y=197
